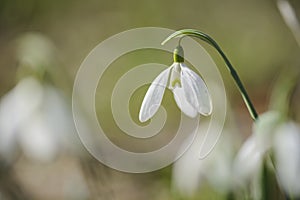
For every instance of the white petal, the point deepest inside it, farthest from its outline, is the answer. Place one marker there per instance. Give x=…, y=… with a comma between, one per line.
x=175, y=75
x=15, y=108
x=264, y=129
x=37, y=139
x=287, y=157
x=183, y=104
x=195, y=90
x=248, y=161
x=154, y=95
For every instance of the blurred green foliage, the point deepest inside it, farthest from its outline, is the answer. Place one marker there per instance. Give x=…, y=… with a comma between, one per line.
x=252, y=34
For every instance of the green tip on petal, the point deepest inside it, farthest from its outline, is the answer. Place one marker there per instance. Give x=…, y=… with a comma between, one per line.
x=178, y=54
x=176, y=82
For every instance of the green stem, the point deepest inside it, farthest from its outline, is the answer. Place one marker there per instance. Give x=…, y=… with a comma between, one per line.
x=212, y=42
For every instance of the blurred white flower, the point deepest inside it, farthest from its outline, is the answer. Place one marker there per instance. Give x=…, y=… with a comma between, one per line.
x=35, y=118
x=15, y=108
x=190, y=92
x=271, y=135
x=249, y=159
x=287, y=157
x=190, y=172
x=37, y=140
x=264, y=129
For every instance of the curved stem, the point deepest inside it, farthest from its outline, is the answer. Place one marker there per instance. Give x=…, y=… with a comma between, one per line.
x=212, y=42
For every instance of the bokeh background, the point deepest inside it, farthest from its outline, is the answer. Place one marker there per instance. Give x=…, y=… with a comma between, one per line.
x=49, y=39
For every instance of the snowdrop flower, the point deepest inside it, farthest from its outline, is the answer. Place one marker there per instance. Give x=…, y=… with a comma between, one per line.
x=15, y=108
x=190, y=91
x=287, y=157
x=190, y=173
x=41, y=127
x=35, y=116
x=250, y=157
x=248, y=162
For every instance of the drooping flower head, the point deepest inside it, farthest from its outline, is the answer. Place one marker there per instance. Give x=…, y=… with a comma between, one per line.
x=190, y=91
